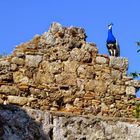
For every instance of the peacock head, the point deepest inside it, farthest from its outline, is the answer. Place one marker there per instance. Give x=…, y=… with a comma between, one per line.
x=110, y=26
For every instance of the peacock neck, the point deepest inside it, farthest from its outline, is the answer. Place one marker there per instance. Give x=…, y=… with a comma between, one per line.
x=110, y=38
x=110, y=31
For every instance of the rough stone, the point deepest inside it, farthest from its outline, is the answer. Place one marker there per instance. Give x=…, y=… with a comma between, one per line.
x=117, y=89
x=101, y=60
x=118, y=63
x=79, y=55
x=13, y=67
x=71, y=66
x=4, y=63
x=133, y=83
x=100, y=86
x=18, y=61
x=17, y=124
x=53, y=67
x=116, y=74
x=76, y=54
x=55, y=27
x=90, y=47
x=19, y=77
x=90, y=85
x=9, y=90
x=130, y=90
x=48, y=38
x=86, y=71
x=42, y=77
x=33, y=61
x=17, y=100
x=66, y=79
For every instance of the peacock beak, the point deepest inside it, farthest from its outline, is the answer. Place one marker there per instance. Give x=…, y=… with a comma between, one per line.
x=111, y=24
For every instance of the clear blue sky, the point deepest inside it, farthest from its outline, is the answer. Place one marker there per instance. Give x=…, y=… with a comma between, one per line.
x=20, y=20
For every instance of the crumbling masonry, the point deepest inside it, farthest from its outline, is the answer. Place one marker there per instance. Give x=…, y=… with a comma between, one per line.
x=60, y=71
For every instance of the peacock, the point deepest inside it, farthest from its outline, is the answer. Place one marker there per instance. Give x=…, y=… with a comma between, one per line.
x=111, y=43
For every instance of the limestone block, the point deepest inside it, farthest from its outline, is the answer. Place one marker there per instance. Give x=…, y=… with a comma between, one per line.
x=17, y=100
x=99, y=67
x=78, y=103
x=6, y=77
x=100, y=86
x=9, y=90
x=18, y=61
x=35, y=91
x=134, y=83
x=67, y=99
x=42, y=77
x=55, y=67
x=71, y=66
x=76, y=54
x=90, y=85
x=55, y=27
x=13, y=67
x=80, y=55
x=4, y=67
x=48, y=38
x=81, y=83
x=96, y=85
x=4, y=63
x=119, y=63
x=53, y=108
x=63, y=55
x=101, y=60
x=52, y=67
x=89, y=95
x=86, y=57
x=90, y=47
x=109, y=100
x=20, y=54
x=33, y=60
x=66, y=79
x=19, y=77
x=116, y=74
x=104, y=107
x=130, y=90
x=107, y=77
x=85, y=71
x=116, y=89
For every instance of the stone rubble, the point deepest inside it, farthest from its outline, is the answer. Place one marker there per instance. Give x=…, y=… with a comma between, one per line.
x=60, y=71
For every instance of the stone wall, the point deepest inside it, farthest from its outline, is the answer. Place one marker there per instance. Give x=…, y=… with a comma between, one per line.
x=61, y=72
x=29, y=124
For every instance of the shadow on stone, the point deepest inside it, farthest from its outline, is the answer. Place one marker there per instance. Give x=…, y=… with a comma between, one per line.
x=16, y=124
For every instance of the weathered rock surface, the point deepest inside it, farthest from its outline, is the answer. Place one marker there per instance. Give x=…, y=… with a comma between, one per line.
x=16, y=124
x=72, y=128
x=29, y=124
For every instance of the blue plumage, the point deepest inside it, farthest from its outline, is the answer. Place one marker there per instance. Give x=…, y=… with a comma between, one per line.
x=110, y=38
x=111, y=43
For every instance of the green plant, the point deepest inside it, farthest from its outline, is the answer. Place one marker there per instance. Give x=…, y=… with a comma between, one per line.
x=136, y=111
x=138, y=44
x=135, y=74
